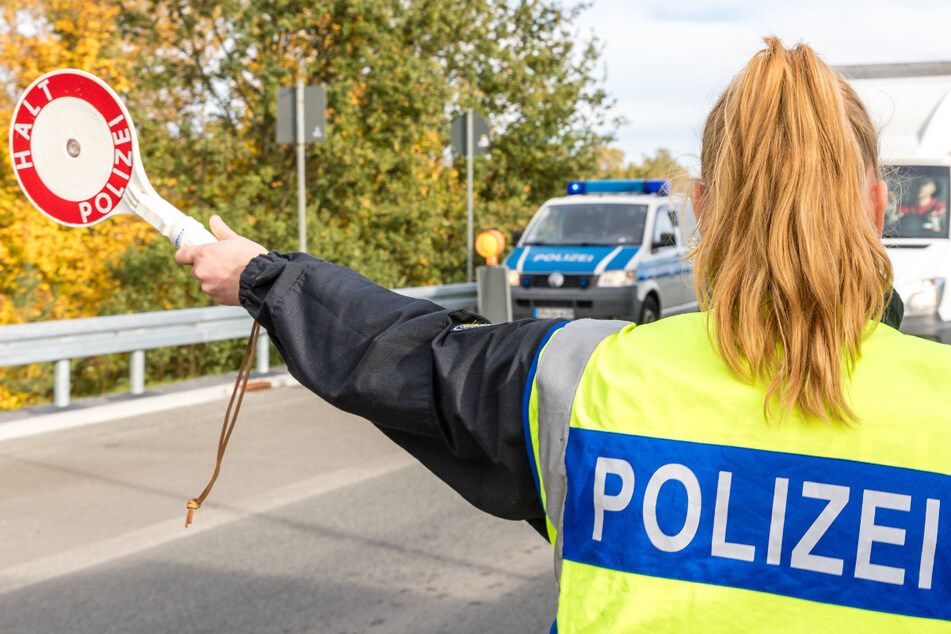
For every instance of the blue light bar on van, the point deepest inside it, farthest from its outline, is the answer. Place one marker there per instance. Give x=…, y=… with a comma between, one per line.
x=633, y=186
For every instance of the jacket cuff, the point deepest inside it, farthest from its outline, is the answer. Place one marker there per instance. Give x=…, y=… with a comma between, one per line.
x=258, y=280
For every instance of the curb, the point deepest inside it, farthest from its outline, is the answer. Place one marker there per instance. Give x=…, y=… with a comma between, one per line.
x=33, y=425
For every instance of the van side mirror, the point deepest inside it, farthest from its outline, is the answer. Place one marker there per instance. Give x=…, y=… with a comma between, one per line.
x=516, y=236
x=665, y=240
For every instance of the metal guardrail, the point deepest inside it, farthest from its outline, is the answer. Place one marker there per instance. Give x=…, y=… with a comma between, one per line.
x=64, y=340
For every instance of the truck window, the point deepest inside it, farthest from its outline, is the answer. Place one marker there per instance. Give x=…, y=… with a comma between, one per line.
x=918, y=202
x=588, y=224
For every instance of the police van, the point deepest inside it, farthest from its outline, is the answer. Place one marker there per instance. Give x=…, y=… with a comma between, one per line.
x=608, y=249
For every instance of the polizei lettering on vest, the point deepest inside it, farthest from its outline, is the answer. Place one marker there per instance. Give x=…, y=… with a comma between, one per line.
x=837, y=531
x=802, y=556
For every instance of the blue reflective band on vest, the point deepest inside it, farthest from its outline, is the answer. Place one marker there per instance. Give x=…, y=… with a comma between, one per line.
x=835, y=531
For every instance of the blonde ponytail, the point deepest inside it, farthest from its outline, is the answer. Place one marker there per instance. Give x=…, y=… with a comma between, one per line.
x=789, y=265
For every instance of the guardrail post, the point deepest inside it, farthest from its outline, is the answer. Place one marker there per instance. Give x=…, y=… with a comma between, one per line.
x=493, y=295
x=263, y=352
x=137, y=372
x=61, y=383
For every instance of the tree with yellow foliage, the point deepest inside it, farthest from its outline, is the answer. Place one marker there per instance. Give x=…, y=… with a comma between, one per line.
x=48, y=271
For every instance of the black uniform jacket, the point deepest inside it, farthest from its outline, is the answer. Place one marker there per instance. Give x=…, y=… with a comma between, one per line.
x=447, y=392
x=443, y=384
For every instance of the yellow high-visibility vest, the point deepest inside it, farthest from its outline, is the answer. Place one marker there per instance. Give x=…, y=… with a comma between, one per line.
x=673, y=505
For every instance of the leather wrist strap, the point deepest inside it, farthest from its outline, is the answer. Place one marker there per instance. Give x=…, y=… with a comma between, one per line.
x=227, y=427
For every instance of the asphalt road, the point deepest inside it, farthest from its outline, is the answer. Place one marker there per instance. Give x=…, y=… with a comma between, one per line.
x=317, y=524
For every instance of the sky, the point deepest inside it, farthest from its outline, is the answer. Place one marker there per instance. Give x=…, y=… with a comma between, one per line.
x=665, y=62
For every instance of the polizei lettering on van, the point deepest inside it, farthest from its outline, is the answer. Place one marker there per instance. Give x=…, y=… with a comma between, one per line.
x=836, y=531
x=562, y=257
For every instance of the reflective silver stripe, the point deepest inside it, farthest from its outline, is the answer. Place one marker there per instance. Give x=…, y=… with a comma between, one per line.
x=603, y=264
x=559, y=373
x=627, y=266
x=520, y=266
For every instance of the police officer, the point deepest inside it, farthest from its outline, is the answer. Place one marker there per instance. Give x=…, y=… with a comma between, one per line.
x=776, y=462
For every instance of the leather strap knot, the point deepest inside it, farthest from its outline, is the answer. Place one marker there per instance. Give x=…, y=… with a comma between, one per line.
x=193, y=504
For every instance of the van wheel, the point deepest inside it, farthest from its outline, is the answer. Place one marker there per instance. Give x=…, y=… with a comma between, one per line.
x=650, y=311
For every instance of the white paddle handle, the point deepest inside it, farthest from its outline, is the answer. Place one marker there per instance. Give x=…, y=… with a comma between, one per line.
x=181, y=230
x=188, y=232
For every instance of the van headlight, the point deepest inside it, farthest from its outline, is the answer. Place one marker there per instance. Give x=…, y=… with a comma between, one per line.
x=924, y=297
x=513, y=277
x=617, y=278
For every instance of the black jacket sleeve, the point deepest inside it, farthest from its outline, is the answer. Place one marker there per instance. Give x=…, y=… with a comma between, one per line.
x=444, y=385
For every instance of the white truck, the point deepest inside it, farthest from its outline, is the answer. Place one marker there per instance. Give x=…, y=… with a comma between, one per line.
x=911, y=105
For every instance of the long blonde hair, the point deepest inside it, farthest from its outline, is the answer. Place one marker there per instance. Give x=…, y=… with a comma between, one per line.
x=789, y=266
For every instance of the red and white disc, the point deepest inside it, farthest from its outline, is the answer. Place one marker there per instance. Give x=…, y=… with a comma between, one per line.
x=72, y=145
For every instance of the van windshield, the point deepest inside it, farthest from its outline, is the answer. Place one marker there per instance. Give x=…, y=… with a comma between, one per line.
x=918, y=201
x=592, y=224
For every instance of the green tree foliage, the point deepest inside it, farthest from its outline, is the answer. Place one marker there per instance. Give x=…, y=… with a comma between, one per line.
x=611, y=164
x=383, y=194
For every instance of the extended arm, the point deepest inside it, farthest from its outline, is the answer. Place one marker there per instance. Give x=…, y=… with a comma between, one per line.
x=448, y=393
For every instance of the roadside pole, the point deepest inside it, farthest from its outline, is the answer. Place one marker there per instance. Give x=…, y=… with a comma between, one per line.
x=301, y=194
x=469, y=240
x=469, y=135
x=301, y=119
